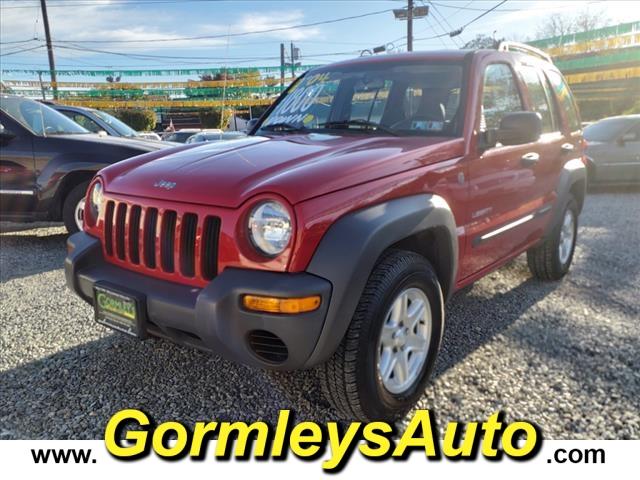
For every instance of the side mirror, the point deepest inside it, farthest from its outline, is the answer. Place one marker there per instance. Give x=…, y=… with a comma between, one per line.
x=5, y=135
x=519, y=127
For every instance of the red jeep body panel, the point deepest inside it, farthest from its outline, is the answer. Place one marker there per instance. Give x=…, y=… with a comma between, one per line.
x=322, y=177
x=173, y=236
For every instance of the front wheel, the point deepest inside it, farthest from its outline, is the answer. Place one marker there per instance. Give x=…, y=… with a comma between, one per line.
x=73, y=208
x=552, y=257
x=380, y=369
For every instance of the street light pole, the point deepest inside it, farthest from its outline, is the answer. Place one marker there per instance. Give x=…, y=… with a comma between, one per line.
x=409, y=14
x=52, y=63
x=409, y=25
x=282, y=67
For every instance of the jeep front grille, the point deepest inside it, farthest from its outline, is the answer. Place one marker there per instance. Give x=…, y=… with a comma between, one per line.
x=180, y=244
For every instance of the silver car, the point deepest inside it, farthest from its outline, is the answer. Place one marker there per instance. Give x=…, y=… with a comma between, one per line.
x=613, y=150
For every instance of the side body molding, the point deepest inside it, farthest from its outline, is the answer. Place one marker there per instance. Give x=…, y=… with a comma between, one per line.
x=349, y=250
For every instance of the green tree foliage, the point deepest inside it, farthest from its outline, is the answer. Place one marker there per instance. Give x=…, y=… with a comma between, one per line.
x=211, y=118
x=634, y=109
x=138, y=119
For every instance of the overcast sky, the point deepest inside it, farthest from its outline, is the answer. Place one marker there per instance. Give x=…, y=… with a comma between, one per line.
x=74, y=22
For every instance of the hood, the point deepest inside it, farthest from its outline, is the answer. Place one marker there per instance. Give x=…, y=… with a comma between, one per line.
x=140, y=144
x=296, y=167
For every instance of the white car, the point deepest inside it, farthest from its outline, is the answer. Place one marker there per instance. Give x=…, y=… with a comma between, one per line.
x=149, y=135
x=201, y=137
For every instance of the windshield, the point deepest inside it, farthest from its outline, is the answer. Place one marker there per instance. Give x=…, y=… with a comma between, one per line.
x=40, y=119
x=385, y=99
x=119, y=126
x=606, y=130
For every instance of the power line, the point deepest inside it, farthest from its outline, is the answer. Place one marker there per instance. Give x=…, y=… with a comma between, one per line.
x=444, y=19
x=142, y=56
x=14, y=52
x=19, y=41
x=460, y=9
x=480, y=9
x=237, y=34
x=482, y=15
x=459, y=30
x=87, y=3
x=453, y=39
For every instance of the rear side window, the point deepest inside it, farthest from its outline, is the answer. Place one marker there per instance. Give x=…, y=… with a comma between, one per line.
x=538, y=96
x=565, y=99
x=499, y=96
x=606, y=130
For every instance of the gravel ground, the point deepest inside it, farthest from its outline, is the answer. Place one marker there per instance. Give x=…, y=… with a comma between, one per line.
x=565, y=355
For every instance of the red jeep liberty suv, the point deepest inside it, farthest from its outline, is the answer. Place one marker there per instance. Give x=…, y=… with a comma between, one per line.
x=333, y=234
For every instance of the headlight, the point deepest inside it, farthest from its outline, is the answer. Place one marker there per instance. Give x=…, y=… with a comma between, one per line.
x=95, y=202
x=270, y=228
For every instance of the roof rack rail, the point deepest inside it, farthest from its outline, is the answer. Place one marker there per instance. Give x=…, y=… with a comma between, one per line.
x=524, y=48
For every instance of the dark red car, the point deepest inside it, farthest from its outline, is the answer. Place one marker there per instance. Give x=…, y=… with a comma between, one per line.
x=332, y=236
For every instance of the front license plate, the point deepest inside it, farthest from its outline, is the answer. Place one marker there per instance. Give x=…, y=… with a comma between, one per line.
x=118, y=310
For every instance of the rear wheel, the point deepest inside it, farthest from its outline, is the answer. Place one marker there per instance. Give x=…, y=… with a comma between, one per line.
x=73, y=208
x=380, y=369
x=551, y=259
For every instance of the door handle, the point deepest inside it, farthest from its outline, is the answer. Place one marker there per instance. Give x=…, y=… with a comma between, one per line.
x=567, y=147
x=530, y=159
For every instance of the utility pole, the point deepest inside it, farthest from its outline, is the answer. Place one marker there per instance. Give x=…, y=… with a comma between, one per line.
x=293, y=61
x=409, y=25
x=409, y=14
x=281, y=66
x=52, y=63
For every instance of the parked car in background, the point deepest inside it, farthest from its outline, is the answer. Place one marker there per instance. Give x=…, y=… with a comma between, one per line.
x=95, y=121
x=214, y=137
x=47, y=161
x=371, y=191
x=613, y=150
x=182, y=135
x=149, y=135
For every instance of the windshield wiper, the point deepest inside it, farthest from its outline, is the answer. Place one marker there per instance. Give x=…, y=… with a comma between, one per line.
x=359, y=122
x=284, y=127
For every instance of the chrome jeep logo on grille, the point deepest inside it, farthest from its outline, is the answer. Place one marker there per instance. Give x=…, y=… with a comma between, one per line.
x=164, y=184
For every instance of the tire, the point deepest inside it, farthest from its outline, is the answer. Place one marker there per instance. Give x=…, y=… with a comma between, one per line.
x=69, y=208
x=351, y=379
x=547, y=261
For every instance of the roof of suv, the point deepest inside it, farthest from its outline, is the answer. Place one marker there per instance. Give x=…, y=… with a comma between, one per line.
x=432, y=55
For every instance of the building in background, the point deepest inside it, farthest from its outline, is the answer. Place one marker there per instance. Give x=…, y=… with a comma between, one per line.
x=602, y=67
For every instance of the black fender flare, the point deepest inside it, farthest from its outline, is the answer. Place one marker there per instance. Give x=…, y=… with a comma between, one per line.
x=351, y=247
x=573, y=180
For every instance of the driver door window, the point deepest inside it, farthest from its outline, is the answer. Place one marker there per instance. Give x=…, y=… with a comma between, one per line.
x=499, y=96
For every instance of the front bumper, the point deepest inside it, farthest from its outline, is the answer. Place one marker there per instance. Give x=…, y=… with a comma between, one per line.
x=211, y=318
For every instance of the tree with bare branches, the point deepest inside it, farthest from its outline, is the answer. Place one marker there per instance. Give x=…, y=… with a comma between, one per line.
x=560, y=25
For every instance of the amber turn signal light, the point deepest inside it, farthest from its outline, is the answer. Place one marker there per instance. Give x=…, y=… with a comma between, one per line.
x=257, y=303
